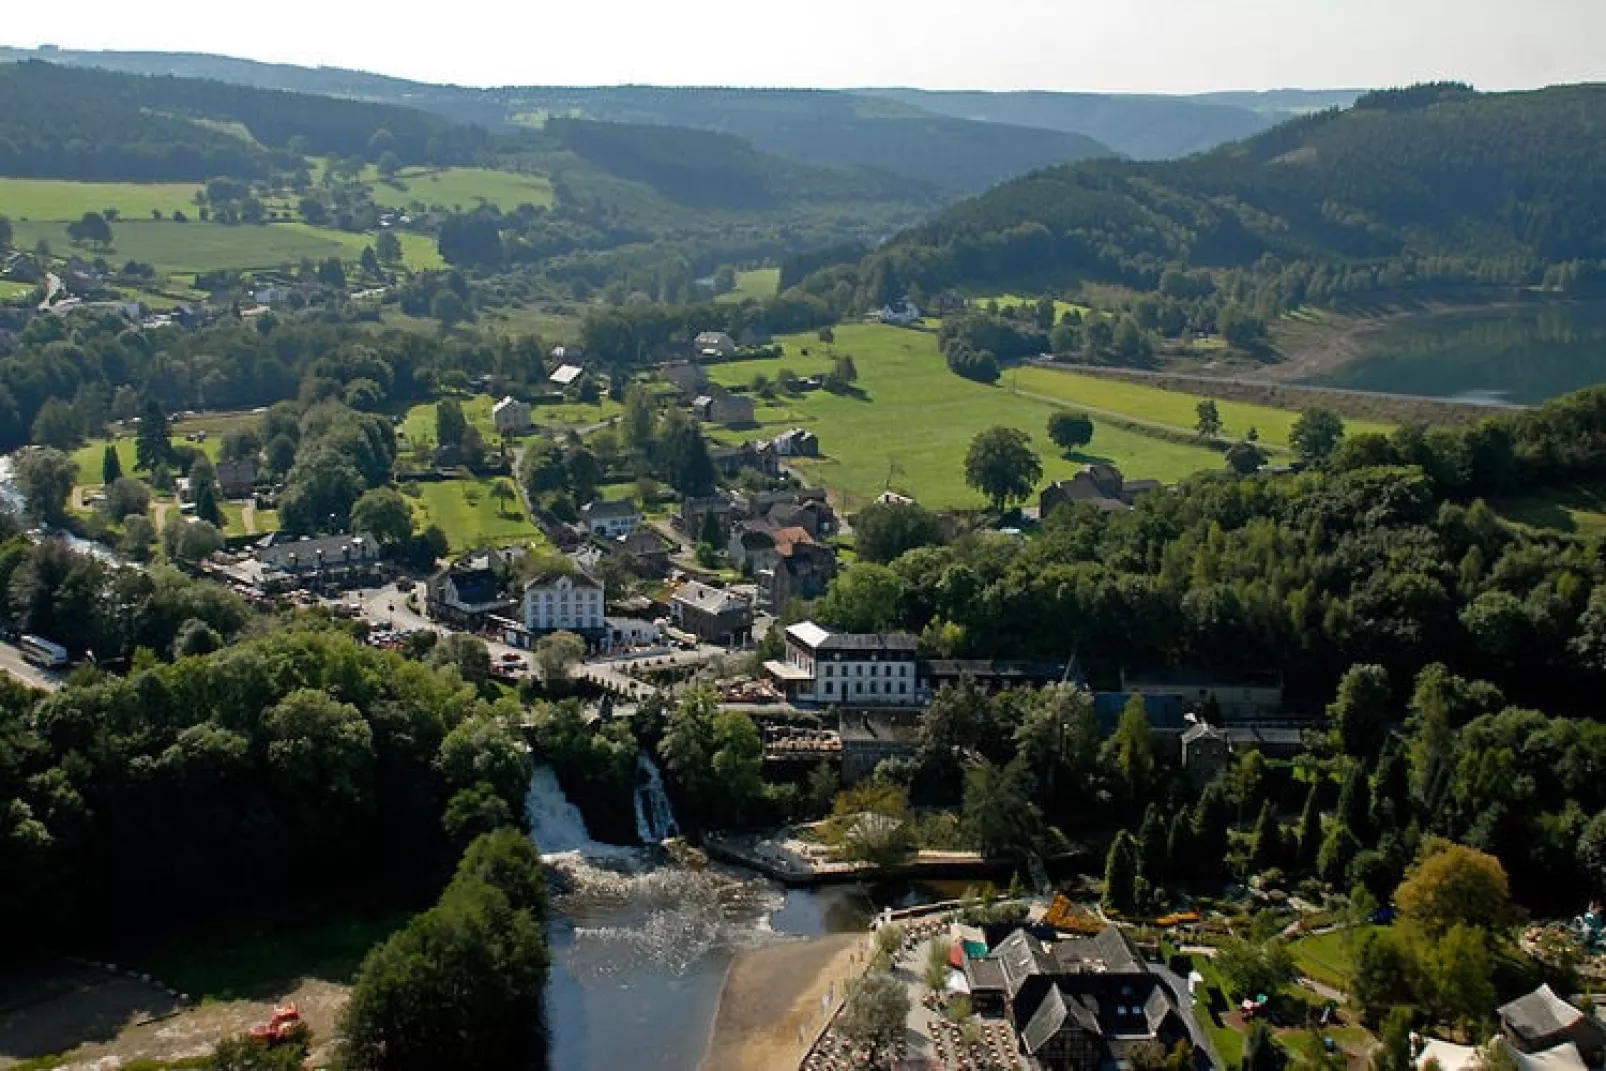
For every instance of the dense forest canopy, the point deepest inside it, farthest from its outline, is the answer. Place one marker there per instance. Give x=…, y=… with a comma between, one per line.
x=1431, y=186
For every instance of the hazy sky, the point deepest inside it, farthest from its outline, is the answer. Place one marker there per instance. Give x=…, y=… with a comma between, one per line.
x=1134, y=45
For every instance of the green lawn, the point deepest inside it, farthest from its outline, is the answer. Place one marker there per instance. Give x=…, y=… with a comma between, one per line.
x=463, y=187
x=1326, y=957
x=10, y=291
x=916, y=419
x=1581, y=511
x=57, y=199
x=419, y=423
x=758, y=283
x=1161, y=406
x=90, y=455
x=196, y=247
x=469, y=515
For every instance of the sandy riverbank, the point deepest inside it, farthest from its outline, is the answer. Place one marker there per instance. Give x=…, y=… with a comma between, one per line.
x=772, y=995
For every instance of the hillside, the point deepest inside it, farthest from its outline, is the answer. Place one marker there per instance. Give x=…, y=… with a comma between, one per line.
x=807, y=126
x=1428, y=187
x=1144, y=127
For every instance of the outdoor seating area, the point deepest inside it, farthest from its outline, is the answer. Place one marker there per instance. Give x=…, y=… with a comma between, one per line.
x=995, y=1048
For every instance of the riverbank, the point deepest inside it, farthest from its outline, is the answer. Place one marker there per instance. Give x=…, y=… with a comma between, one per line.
x=798, y=865
x=777, y=998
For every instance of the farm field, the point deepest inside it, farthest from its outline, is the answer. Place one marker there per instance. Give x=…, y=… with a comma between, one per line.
x=469, y=515
x=1153, y=404
x=915, y=421
x=61, y=199
x=758, y=283
x=462, y=187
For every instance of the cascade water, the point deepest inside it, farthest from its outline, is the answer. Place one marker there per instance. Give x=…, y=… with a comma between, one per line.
x=655, y=819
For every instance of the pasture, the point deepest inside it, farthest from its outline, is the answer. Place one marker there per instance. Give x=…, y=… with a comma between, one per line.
x=36, y=200
x=418, y=426
x=1174, y=408
x=914, y=420
x=759, y=283
x=462, y=187
x=89, y=456
x=469, y=514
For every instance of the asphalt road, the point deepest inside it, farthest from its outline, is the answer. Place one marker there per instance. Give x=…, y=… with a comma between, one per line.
x=12, y=662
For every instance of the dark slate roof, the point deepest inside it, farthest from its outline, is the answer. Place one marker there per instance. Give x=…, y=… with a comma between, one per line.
x=1201, y=729
x=984, y=973
x=601, y=510
x=476, y=586
x=304, y=552
x=580, y=577
x=1157, y=1009
x=872, y=642
x=1539, y=1014
x=1045, y=1022
x=1109, y=951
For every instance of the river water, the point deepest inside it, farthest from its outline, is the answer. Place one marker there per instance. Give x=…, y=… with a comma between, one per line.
x=641, y=943
x=1522, y=354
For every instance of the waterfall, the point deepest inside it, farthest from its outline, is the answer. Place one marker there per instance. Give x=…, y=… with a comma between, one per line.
x=655, y=819
x=556, y=825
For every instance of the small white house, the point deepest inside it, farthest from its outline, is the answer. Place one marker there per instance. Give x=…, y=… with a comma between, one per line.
x=902, y=314
x=511, y=416
x=633, y=632
x=610, y=520
x=714, y=344
x=566, y=374
x=560, y=600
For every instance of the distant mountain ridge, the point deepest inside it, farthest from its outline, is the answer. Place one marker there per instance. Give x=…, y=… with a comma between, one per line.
x=1142, y=126
x=966, y=141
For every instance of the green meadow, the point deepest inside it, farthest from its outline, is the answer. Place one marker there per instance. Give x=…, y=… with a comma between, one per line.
x=462, y=187
x=1013, y=301
x=58, y=199
x=418, y=426
x=758, y=283
x=1174, y=408
x=911, y=426
x=468, y=513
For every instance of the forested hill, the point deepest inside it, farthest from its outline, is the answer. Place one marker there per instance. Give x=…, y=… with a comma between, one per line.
x=1429, y=186
x=62, y=122
x=814, y=127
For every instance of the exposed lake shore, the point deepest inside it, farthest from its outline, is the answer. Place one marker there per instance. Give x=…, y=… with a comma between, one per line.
x=773, y=1003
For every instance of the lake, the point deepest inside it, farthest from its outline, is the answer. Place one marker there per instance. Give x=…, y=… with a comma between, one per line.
x=1522, y=354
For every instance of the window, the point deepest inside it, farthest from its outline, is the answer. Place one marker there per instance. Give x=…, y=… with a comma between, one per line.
x=903, y=687
x=830, y=671
x=858, y=689
x=872, y=687
x=829, y=687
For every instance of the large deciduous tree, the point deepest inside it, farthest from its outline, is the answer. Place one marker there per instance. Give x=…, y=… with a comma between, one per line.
x=1002, y=465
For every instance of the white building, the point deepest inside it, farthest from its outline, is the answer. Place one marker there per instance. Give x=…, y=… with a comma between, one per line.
x=565, y=375
x=847, y=669
x=511, y=416
x=611, y=520
x=561, y=600
x=902, y=314
x=714, y=344
x=633, y=632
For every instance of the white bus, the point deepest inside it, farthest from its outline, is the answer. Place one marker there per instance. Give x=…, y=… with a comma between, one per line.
x=43, y=653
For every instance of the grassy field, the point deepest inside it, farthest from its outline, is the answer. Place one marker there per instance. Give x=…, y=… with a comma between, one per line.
x=58, y=199
x=419, y=424
x=10, y=291
x=469, y=515
x=1175, y=408
x=1011, y=301
x=90, y=455
x=758, y=283
x=1580, y=512
x=1326, y=957
x=463, y=187
x=915, y=420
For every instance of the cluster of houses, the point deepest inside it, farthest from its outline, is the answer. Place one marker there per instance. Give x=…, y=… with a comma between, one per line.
x=878, y=684
x=779, y=538
x=1538, y=1032
x=1100, y=486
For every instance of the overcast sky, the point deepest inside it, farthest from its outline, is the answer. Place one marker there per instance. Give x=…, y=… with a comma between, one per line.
x=1113, y=45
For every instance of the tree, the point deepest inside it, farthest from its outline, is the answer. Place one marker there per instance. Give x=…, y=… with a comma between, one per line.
x=449, y=309
x=1209, y=828
x=57, y=425
x=1208, y=423
x=468, y=653
x=1070, y=431
x=152, y=444
x=388, y=164
x=874, y=1016
x=206, y=504
x=111, y=466
x=46, y=477
x=1460, y=975
x=1592, y=852
x=1002, y=465
x=91, y=228
x=1315, y=434
x=1310, y=829
x=1261, y=1051
x=682, y=455
x=1266, y=842
x=1153, y=863
x=384, y=514
x=474, y=811
x=1383, y=974
x=1121, y=874
x=1132, y=748
x=481, y=750
x=556, y=653
x=638, y=419
x=188, y=541
x=885, y=531
x=1245, y=458
x=997, y=814
x=1252, y=969
x=388, y=248
x=1450, y=885
x=502, y=492
x=1361, y=709
x=450, y=423
x=124, y=497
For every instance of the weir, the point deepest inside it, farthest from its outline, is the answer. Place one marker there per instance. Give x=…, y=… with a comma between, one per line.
x=655, y=818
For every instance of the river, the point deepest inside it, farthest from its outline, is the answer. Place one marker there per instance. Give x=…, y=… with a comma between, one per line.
x=641, y=943
x=1523, y=354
